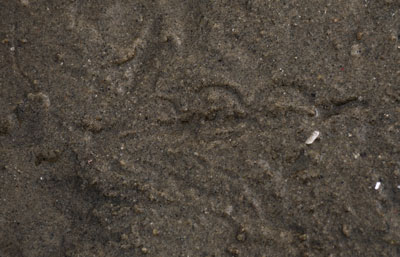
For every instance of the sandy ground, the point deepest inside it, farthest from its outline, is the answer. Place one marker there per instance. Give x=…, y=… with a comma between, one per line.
x=179, y=128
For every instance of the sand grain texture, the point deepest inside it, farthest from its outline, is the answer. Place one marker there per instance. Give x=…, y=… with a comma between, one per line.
x=178, y=128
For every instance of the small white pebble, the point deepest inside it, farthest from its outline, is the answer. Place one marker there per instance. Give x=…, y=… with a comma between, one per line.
x=377, y=185
x=12, y=49
x=316, y=112
x=398, y=186
x=312, y=138
x=41, y=178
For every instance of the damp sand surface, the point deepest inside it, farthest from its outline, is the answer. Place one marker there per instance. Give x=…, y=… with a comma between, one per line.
x=199, y=128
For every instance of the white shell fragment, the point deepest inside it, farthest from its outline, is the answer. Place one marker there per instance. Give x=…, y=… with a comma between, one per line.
x=377, y=185
x=312, y=138
x=316, y=112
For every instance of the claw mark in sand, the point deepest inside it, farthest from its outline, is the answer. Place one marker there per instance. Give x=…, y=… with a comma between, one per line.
x=128, y=54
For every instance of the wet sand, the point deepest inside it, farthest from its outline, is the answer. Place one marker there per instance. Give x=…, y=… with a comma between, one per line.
x=182, y=128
